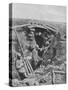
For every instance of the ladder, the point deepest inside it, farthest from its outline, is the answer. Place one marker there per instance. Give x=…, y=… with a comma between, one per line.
x=27, y=65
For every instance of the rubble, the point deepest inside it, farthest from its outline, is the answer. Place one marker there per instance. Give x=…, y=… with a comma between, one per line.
x=37, y=56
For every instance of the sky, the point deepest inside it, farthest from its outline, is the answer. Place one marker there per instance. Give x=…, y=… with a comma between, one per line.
x=39, y=12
